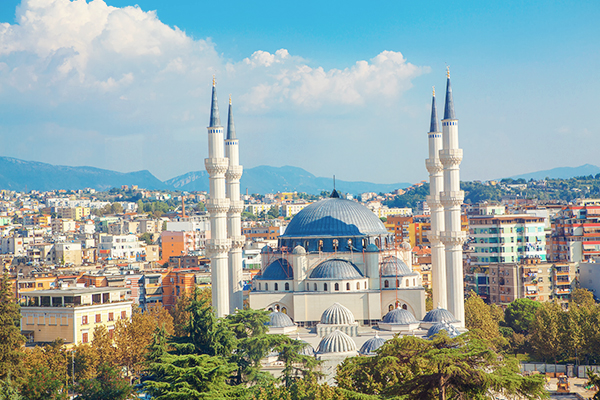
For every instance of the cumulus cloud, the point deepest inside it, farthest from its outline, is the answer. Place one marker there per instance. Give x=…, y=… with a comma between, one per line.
x=122, y=72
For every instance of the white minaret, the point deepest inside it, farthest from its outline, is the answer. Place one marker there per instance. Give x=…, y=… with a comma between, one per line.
x=436, y=185
x=234, y=220
x=452, y=198
x=218, y=246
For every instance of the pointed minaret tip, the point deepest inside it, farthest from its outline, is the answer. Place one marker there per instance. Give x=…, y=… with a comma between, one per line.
x=215, y=120
x=449, y=106
x=229, y=98
x=214, y=81
x=433, y=126
x=230, y=124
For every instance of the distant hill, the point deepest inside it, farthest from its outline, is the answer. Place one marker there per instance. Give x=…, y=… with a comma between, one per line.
x=561, y=173
x=266, y=179
x=23, y=175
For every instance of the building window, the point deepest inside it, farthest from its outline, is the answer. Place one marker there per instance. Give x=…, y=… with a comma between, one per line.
x=337, y=287
x=259, y=286
x=365, y=284
x=325, y=287
x=315, y=286
x=414, y=281
x=84, y=320
x=335, y=244
x=397, y=282
x=123, y=314
x=284, y=310
x=98, y=318
x=320, y=245
x=84, y=337
x=111, y=316
x=386, y=283
x=110, y=333
x=348, y=286
x=407, y=283
x=266, y=286
x=276, y=286
x=404, y=306
x=287, y=286
x=357, y=285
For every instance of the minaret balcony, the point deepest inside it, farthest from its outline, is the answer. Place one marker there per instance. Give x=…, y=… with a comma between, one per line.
x=453, y=238
x=451, y=157
x=433, y=201
x=236, y=207
x=452, y=198
x=216, y=165
x=433, y=165
x=218, y=206
x=218, y=245
x=234, y=172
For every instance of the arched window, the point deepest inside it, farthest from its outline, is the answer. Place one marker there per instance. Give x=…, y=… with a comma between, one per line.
x=364, y=243
x=306, y=245
x=287, y=286
x=259, y=288
x=386, y=283
x=350, y=244
x=266, y=286
x=335, y=244
x=348, y=286
x=391, y=307
x=365, y=284
x=325, y=287
x=404, y=306
x=397, y=282
x=315, y=287
x=357, y=285
x=407, y=283
x=271, y=309
x=337, y=287
x=320, y=245
x=414, y=281
x=378, y=243
x=284, y=310
x=276, y=286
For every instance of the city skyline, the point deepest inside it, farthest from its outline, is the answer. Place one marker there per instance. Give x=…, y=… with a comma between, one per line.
x=121, y=88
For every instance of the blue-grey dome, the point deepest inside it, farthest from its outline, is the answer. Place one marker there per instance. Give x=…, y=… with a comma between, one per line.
x=368, y=348
x=278, y=319
x=437, y=328
x=335, y=217
x=399, y=316
x=278, y=270
x=393, y=266
x=439, y=315
x=307, y=350
x=337, y=314
x=336, y=342
x=336, y=269
x=371, y=248
x=266, y=249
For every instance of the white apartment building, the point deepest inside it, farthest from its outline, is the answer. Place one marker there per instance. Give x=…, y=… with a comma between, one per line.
x=507, y=238
x=126, y=247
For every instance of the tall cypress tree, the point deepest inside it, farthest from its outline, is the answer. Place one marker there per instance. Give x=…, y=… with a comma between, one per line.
x=11, y=339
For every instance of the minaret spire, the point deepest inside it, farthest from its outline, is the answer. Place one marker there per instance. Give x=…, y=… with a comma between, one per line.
x=230, y=124
x=449, y=107
x=433, y=126
x=215, y=120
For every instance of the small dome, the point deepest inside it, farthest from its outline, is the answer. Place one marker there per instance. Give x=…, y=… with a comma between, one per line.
x=439, y=315
x=399, y=316
x=267, y=249
x=337, y=314
x=335, y=269
x=299, y=250
x=278, y=319
x=442, y=326
x=278, y=270
x=307, y=350
x=371, y=248
x=336, y=342
x=393, y=266
x=406, y=246
x=368, y=348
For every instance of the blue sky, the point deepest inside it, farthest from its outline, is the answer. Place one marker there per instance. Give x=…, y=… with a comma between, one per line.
x=333, y=87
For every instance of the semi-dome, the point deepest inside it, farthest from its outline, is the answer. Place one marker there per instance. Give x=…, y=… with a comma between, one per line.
x=335, y=269
x=335, y=217
x=278, y=319
x=337, y=314
x=393, y=266
x=336, y=342
x=278, y=270
x=307, y=350
x=442, y=326
x=439, y=315
x=368, y=348
x=399, y=316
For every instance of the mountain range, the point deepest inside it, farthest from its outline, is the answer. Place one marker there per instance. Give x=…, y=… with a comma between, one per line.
x=21, y=175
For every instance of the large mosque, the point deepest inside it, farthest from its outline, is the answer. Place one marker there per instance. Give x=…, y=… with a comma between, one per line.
x=337, y=275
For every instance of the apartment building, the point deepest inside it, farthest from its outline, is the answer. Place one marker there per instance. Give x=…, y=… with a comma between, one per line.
x=575, y=233
x=72, y=314
x=507, y=238
x=126, y=247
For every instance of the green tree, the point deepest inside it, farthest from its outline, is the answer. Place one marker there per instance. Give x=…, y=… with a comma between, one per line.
x=594, y=380
x=478, y=316
x=296, y=365
x=106, y=385
x=9, y=390
x=273, y=212
x=547, y=331
x=520, y=314
x=140, y=206
x=10, y=332
x=465, y=367
x=146, y=237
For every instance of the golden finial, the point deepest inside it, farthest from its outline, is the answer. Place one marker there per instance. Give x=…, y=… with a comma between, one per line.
x=433, y=91
x=230, y=99
x=448, y=71
x=214, y=81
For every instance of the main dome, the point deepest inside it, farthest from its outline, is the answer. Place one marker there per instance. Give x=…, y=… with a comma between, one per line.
x=335, y=217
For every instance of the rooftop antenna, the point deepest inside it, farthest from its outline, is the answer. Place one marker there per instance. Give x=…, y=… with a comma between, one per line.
x=334, y=194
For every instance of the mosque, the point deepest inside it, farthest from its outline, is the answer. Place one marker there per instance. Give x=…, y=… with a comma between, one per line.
x=337, y=276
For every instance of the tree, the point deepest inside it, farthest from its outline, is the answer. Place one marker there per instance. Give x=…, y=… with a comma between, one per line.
x=46, y=373
x=273, y=212
x=9, y=390
x=478, y=316
x=103, y=346
x=180, y=312
x=594, y=380
x=10, y=332
x=465, y=367
x=520, y=314
x=582, y=298
x=296, y=365
x=146, y=237
x=116, y=208
x=140, y=206
x=547, y=332
x=106, y=385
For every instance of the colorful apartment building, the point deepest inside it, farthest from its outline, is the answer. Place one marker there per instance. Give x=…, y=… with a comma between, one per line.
x=180, y=243
x=575, y=233
x=507, y=238
x=258, y=233
x=72, y=314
